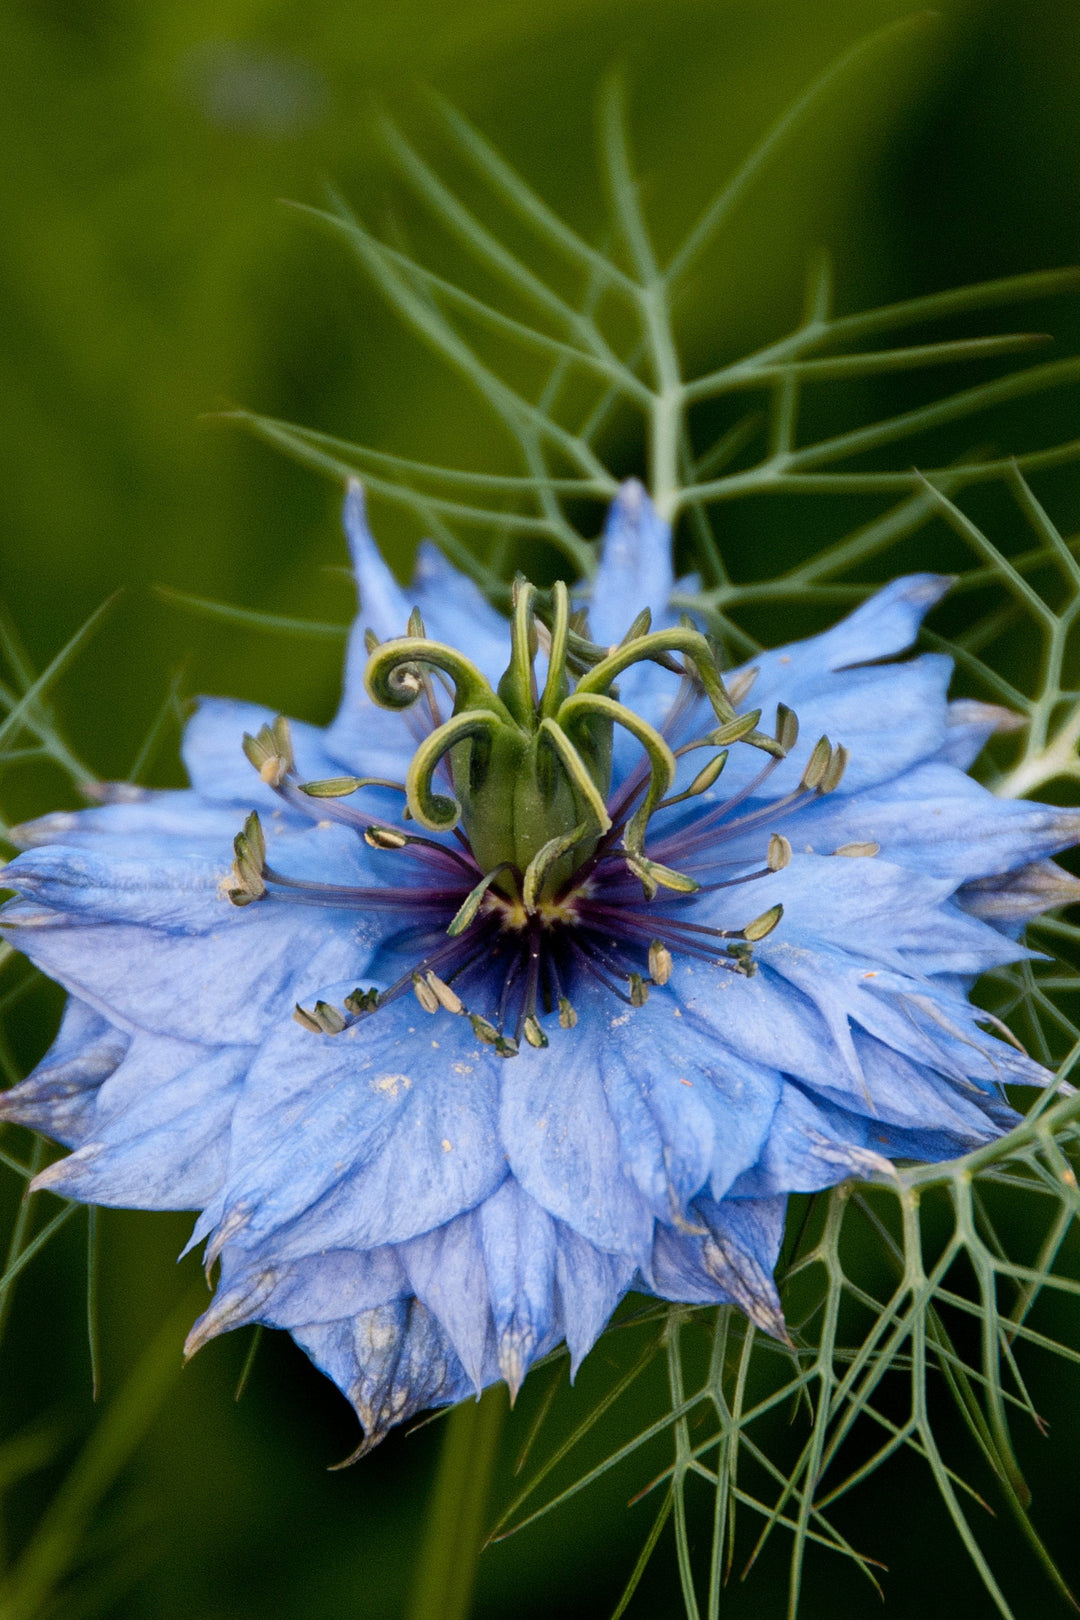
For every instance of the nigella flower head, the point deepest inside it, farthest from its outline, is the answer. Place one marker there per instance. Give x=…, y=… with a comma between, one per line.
x=548, y=970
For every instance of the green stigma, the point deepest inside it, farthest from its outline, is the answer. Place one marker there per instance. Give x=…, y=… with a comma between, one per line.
x=529, y=768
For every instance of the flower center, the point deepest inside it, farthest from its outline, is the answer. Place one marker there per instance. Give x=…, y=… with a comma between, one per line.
x=544, y=878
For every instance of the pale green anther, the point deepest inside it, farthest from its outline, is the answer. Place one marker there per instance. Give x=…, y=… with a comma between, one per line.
x=763, y=925
x=787, y=727
x=779, y=853
x=834, y=770
x=384, y=838
x=660, y=963
x=567, y=1015
x=818, y=764
x=483, y=1029
x=705, y=778
x=735, y=730
x=322, y=1019
x=639, y=990
x=339, y=787
x=362, y=1001
x=473, y=901
x=249, y=849
x=331, y=1020
x=448, y=999
x=543, y=861
x=743, y=956
x=533, y=1033
x=857, y=850
x=653, y=876
x=424, y=994
x=271, y=752
x=506, y=1046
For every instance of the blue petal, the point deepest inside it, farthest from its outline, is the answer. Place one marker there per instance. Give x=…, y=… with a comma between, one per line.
x=686, y=1112
x=389, y=1362
x=519, y=1244
x=59, y=1097
x=373, y=1136
x=729, y=1260
x=591, y=1283
x=879, y=628
x=561, y=1142
x=146, y=826
x=320, y=1288
x=241, y=977
x=446, y=1269
x=937, y=821
x=1008, y=900
x=634, y=570
x=970, y=725
x=160, y=1135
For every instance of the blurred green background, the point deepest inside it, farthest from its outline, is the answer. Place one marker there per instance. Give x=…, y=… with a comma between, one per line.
x=148, y=277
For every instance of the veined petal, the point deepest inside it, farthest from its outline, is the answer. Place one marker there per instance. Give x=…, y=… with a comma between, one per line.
x=390, y=1362
x=520, y=1244
x=369, y=1137
x=164, y=1145
x=561, y=1142
x=59, y=1096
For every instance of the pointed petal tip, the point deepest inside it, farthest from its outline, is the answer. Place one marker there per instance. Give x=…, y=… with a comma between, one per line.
x=230, y=1310
x=517, y=1346
x=64, y=1174
x=367, y=1444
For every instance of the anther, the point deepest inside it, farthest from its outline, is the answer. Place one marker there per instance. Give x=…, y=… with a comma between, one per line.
x=740, y=684
x=858, y=849
x=567, y=1015
x=660, y=963
x=763, y=925
x=424, y=994
x=787, y=727
x=834, y=770
x=639, y=990
x=384, y=838
x=817, y=765
x=779, y=853
x=322, y=1019
x=446, y=998
x=484, y=1030
x=249, y=849
x=506, y=1046
x=362, y=1001
x=533, y=1032
x=270, y=751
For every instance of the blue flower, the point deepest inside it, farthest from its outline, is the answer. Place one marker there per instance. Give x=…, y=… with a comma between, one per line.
x=547, y=970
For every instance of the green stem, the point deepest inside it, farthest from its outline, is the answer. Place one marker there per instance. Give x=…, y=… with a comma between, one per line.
x=445, y=1572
